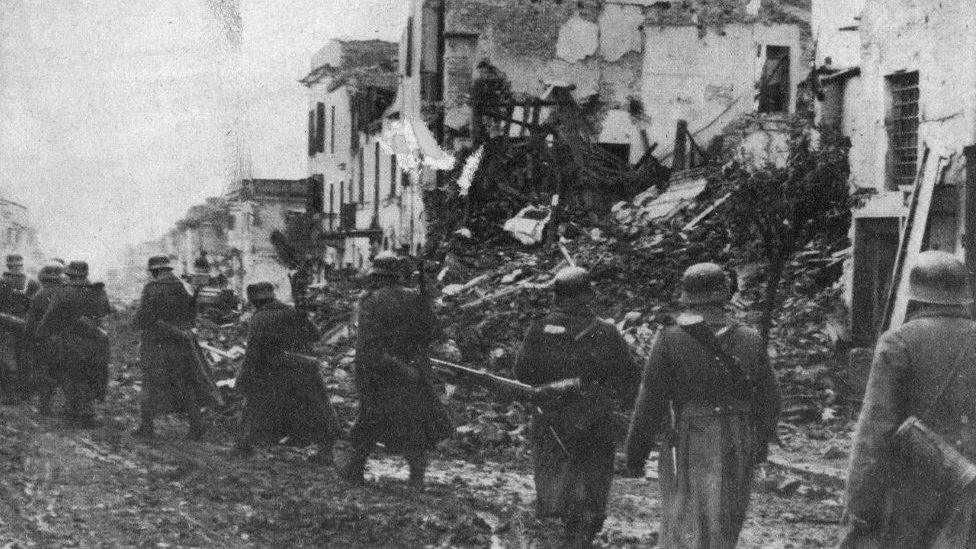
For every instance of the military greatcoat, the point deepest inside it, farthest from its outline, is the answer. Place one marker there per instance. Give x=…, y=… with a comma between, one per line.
x=79, y=348
x=716, y=435
x=16, y=358
x=168, y=383
x=898, y=507
x=397, y=408
x=285, y=395
x=44, y=375
x=572, y=435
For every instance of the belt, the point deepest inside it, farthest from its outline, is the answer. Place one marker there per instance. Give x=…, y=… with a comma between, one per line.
x=712, y=410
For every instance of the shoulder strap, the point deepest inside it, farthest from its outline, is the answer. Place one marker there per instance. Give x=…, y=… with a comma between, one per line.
x=710, y=342
x=953, y=372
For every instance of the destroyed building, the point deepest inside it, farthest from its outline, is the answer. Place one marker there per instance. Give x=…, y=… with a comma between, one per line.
x=258, y=208
x=369, y=201
x=18, y=235
x=906, y=99
x=595, y=95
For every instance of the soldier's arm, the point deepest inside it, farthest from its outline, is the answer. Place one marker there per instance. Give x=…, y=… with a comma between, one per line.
x=880, y=416
x=766, y=390
x=145, y=316
x=34, y=315
x=650, y=407
x=44, y=326
x=622, y=373
x=307, y=329
x=529, y=364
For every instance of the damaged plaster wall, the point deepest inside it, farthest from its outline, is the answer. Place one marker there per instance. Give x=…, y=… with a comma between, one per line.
x=695, y=60
x=709, y=81
x=914, y=35
x=597, y=49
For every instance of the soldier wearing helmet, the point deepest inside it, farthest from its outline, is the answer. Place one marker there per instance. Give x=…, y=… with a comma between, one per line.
x=572, y=431
x=923, y=368
x=709, y=381
x=51, y=278
x=16, y=290
x=398, y=404
x=71, y=326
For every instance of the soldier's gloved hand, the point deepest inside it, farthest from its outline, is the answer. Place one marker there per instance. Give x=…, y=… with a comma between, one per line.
x=410, y=372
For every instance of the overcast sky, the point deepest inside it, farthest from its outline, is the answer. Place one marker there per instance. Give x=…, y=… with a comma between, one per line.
x=117, y=115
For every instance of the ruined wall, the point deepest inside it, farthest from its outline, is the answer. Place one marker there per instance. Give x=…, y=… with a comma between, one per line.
x=709, y=81
x=914, y=35
x=843, y=47
x=691, y=60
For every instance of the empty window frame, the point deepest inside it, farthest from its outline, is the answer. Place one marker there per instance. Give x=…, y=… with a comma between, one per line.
x=362, y=177
x=320, y=127
x=311, y=132
x=393, y=175
x=901, y=123
x=774, y=84
x=332, y=132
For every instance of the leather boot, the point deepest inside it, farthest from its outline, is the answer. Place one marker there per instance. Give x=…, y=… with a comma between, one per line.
x=197, y=426
x=323, y=454
x=146, y=429
x=418, y=469
x=354, y=469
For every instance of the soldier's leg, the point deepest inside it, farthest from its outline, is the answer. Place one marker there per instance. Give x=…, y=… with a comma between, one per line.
x=146, y=417
x=246, y=435
x=417, y=461
x=197, y=423
x=362, y=442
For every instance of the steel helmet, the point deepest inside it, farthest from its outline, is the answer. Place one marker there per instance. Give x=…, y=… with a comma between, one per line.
x=572, y=281
x=386, y=263
x=939, y=278
x=704, y=283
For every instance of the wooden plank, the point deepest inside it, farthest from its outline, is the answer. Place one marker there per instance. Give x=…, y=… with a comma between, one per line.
x=969, y=235
x=914, y=236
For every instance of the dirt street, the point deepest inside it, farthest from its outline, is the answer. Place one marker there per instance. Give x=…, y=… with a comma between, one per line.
x=101, y=487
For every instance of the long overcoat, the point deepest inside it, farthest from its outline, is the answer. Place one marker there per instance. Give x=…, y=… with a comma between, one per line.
x=16, y=358
x=396, y=325
x=900, y=507
x=715, y=436
x=45, y=355
x=79, y=348
x=286, y=396
x=168, y=383
x=573, y=435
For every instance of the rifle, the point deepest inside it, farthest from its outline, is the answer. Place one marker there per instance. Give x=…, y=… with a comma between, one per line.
x=509, y=387
x=200, y=368
x=513, y=388
x=12, y=323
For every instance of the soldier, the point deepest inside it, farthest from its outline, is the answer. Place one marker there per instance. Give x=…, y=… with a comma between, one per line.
x=284, y=390
x=15, y=356
x=708, y=385
x=398, y=406
x=45, y=360
x=79, y=347
x=168, y=384
x=17, y=279
x=572, y=432
x=925, y=368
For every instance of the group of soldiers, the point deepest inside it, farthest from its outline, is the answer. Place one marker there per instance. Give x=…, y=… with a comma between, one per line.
x=52, y=337
x=706, y=398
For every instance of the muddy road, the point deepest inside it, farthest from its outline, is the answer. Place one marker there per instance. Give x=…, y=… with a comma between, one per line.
x=101, y=487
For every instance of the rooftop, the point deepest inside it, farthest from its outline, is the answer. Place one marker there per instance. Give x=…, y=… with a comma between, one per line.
x=343, y=56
